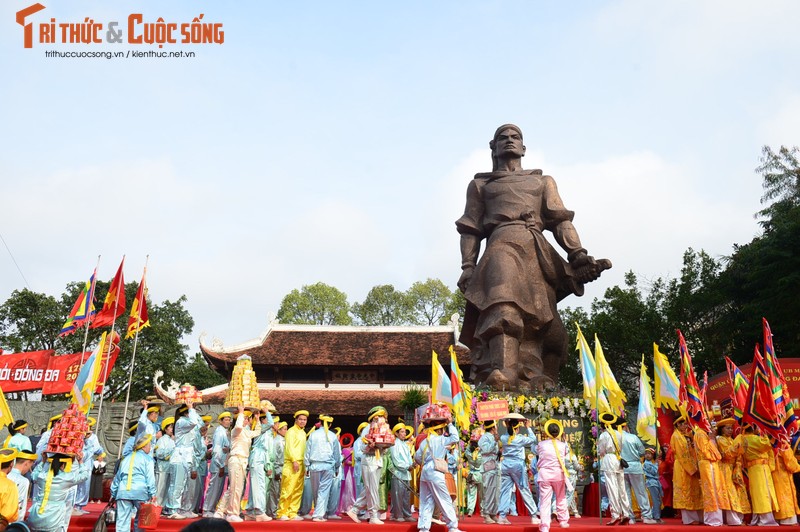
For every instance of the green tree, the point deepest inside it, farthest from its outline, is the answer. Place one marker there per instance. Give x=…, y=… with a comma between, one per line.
x=429, y=300
x=384, y=306
x=199, y=374
x=316, y=304
x=781, y=181
x=30, y=321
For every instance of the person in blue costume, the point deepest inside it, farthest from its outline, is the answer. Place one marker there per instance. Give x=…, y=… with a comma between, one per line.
x=148, y=421
x=163, y=451
x=261, y=467
x=323, y=459
x=91, y=449
x=186, y=422
x=55, y=477
x=41, y=445
x=489, y=446
x=400, y=468
x=18, y=439
x=513, y=470
x=134, y=482
x=432, y=456
x=220, y=447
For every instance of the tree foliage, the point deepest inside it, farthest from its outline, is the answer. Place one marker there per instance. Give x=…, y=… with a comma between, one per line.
x=316, y=304
x=30, y=321
x=430, y=301
x=384, y=306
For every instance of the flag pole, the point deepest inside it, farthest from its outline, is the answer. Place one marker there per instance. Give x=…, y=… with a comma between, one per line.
x=108, y=352
x=130, y=373
x=597, y=425
x=88, y=311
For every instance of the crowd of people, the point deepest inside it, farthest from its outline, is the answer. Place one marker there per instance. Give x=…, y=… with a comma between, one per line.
x=189, y=469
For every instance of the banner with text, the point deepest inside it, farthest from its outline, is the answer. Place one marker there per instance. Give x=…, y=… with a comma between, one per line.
x=46, y=371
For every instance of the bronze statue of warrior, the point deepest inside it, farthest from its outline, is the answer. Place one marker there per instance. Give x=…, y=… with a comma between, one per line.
x=511, y=324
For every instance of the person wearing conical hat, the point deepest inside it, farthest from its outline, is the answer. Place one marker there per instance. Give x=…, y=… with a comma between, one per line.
x=759, y=459
x=187, y=420
x=323, y=459
x=715, y=496
x=371, y=468
x=608, y=451
x=56, y=476
x=514, y=472
x=260, y=465
x=220, y=447
x=293, y=468
x=687, y=495
x=279, y=430
x=489, y=447
x=400, y=467
x=730, y=470
x=162, y=453
x=134, y=483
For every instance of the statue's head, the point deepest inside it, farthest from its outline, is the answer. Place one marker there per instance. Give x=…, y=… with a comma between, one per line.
x=507, y=143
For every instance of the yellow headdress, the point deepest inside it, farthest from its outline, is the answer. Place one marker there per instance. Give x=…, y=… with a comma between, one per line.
x=301, y=413
x=551, y=422
x=167, y=421
x=223, y=415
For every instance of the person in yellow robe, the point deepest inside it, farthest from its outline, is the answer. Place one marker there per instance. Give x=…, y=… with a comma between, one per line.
x=785, y=466
x=687, y=495
x=730, y=468
x=293, y=469
x=759, y=460
x=9, y=497
x=715, y=496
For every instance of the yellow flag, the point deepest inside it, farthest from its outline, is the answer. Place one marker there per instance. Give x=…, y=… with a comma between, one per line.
x=5, y=413
x=606, y=380
x=462, y=393
x=666, y=382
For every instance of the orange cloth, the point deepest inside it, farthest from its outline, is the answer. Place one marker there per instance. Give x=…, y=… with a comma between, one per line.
x=686, y=491
x=715, y=496
x=785, y=465
x=9, y=498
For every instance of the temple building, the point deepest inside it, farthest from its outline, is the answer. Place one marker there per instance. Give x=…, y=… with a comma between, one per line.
x=339, y=370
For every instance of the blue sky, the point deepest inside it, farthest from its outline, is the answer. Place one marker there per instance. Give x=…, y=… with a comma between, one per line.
x=334, y=141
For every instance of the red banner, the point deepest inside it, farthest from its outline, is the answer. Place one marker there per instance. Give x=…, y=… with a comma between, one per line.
x=43, y=370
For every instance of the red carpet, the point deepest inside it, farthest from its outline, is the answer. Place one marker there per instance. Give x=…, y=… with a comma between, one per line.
x=473, y=524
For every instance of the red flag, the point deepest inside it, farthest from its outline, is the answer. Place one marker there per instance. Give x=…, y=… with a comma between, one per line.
x=689, y=392
x=739, y=388
x=114, y=304
x=785, y=407
x=139, y=319
x=761, y=408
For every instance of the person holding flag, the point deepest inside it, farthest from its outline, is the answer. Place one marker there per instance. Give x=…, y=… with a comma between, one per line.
x=730, y=468
x=715, y=496
x=608, y=452
x=687, y=494
x=758, y=455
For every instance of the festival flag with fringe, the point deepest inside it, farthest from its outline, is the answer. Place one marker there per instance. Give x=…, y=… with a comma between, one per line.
x=690, y=393
x=785, y=406
x=589, y=374
x=114, y=303
x=667, y=386
x=461, y=393
x=82, y=310
x=139, y=318
x=441, y=391
x=83, y=388
x=646, y=416
x=761, y=408
x=739, y=389
x=606, y=380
